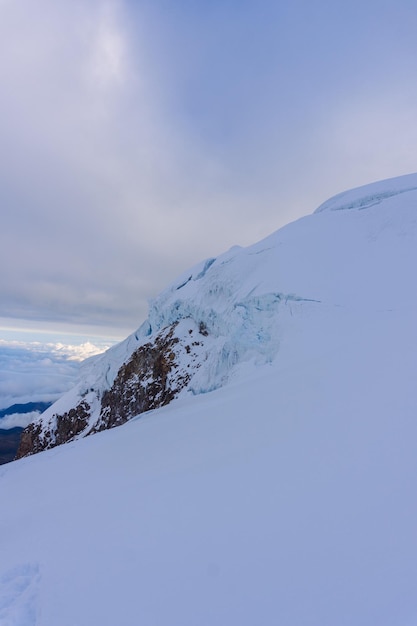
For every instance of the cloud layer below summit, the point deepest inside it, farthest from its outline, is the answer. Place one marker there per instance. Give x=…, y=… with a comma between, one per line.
x=34, y=371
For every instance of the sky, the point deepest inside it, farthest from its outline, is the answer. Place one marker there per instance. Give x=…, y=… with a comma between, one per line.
x=138, y=138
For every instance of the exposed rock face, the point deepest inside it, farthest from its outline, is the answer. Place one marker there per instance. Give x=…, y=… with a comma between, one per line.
x=150, y=379
x=35, y=439
x=153, y=376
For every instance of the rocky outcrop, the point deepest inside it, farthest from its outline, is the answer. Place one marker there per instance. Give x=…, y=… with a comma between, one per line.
x=67, y=426
x=151, y=377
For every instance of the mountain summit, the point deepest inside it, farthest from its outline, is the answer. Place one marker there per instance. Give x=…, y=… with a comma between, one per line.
x=277, y=484
x=352, y=255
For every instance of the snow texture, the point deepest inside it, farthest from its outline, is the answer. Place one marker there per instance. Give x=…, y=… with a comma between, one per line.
x=285, y=496
x=369, y=195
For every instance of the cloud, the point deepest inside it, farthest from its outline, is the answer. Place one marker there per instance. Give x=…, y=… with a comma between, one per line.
x=35, y=371
x=18, y=419
x=93, y=174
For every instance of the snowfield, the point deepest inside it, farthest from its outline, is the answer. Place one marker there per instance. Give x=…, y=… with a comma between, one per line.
x=286, y=495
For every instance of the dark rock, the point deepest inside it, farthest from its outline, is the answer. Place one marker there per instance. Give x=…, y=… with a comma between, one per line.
x=67, y=426
x=147, y=381
x=151, y=378
x=203, y=329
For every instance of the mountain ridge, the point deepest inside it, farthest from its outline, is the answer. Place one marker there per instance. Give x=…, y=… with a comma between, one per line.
x=26, y=407
x=232, y=309
x=284, y=496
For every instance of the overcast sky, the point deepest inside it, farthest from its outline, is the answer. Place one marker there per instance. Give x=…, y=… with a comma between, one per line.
x=138, y=137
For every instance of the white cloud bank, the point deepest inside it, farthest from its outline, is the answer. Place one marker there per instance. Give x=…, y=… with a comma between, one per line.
x=20, y=420
x=39, y=372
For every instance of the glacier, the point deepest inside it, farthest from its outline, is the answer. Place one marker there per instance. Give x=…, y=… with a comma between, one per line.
x=278, y=485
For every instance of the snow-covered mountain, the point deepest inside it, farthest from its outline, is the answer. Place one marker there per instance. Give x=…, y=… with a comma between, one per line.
x=286, y=495
x=218, y=315
x=235, y=309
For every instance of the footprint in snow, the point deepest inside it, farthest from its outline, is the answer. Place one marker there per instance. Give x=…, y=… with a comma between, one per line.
x=18, y=596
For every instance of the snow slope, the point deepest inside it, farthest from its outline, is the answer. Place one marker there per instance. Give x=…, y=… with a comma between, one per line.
x=284, y=496
x=235, y=308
